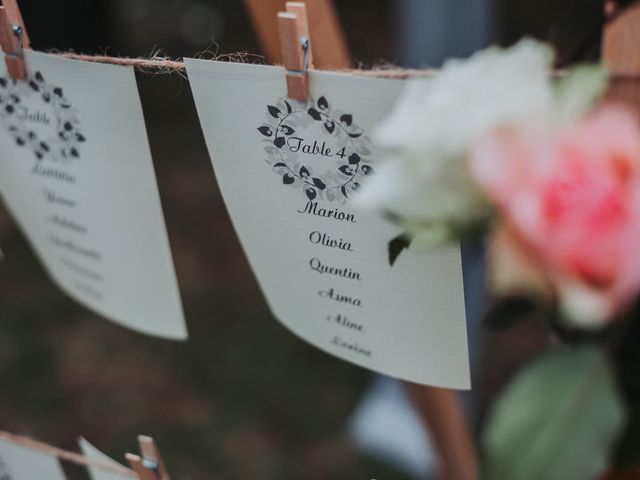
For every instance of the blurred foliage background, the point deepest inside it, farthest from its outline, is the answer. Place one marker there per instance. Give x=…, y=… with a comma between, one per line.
x=243, y=398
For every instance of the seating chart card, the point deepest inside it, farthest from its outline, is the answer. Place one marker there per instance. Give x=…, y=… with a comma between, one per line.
x=76, y=174
x=22, y=463
x=288, y=172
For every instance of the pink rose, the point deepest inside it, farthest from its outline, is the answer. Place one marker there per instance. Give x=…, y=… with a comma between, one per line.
x=570, y=200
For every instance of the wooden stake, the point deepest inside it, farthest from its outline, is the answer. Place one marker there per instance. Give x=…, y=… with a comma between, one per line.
x=293, y=31
x=448, y=429
x=621, y=53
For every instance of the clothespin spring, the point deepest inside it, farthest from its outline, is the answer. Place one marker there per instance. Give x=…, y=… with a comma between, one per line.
x=151, y=465
x=17, y=31
x=304, y=43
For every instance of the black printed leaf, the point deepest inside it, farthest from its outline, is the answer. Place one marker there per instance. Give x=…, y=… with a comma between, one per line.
x=266, y=131
x=355, y=135
x=288, y=179
x=39, y=77
x=57, y=91
x=346, y=169
x=279, y=142
x=3, y=82
x=44, y=146
x=346, y=119
x=34, y=86
x=397, y=246
x=329, y=126
x=9, y=109
x=273, y=111
x=366, y=169
x=287, y=130
x=289, y=109
x=311, y=193
x=39, y=156
x=315, y=114
x=46, y=97
x=68, y=126
x=322, y=103
x=31, y=135
x=355, y=186
x=80, y=137
x=304, y=172
x=319, y=184
x=354, y=159
x=20, y=141
x=343, y=189
x=15, y=98
x=73, y=152
x=279, y=164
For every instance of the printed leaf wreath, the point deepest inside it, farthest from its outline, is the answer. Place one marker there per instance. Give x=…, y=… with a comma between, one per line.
x=346, y=164
x=63, y=142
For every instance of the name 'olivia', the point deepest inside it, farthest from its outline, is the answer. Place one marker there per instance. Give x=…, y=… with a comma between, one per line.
x=311, y=208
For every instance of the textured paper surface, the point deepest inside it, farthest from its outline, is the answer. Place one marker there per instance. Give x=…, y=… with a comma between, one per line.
x=76, y=173
x=93, y=453
x=21, y=463
x=287, y=175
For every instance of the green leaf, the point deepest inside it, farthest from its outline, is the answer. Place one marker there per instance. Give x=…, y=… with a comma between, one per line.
x=578, y=90
x=396, y=246
x=556, y=421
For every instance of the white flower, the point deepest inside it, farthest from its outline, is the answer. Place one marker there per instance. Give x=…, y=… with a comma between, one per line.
x=426, y=138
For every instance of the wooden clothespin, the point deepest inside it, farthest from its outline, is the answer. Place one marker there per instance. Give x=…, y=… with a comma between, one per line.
x=150, y=465
x=13, y=39
x=621, y=52
x=296, y=49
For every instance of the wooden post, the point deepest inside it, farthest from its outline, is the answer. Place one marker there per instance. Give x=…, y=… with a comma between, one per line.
x=449, y=431
x=621, y=53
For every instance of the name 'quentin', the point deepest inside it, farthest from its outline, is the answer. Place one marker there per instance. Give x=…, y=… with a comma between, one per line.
x=311, y=208
x=317, y=266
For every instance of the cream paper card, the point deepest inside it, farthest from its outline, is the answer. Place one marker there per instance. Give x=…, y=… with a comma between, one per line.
x=92, y=453
x=287, y=172
x=22, y=463
x=77, y=176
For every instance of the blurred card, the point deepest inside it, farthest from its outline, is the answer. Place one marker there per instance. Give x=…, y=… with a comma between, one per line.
x=23, y=463
x=92, y=453
x=76, y=174
x=288, y=172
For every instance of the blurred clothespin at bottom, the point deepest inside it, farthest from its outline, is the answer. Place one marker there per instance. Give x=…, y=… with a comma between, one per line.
x=150, y=465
